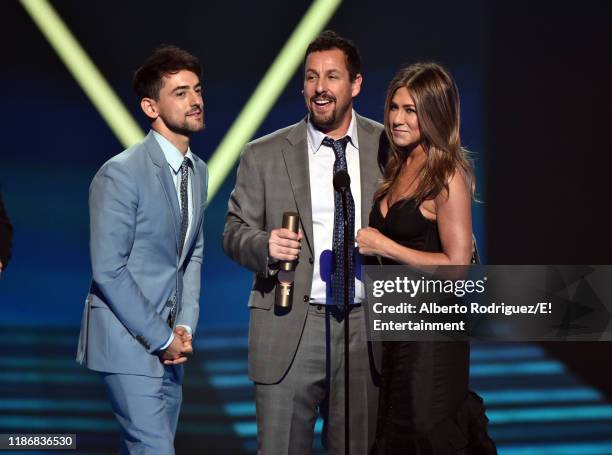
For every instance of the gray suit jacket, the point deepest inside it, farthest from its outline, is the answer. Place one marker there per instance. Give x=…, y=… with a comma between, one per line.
x=273, y=178
x=134, y=239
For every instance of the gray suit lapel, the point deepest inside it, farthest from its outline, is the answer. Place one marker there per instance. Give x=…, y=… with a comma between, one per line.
x=165, y=179
x=296, y=161
x=196, y=193
x=368, y=166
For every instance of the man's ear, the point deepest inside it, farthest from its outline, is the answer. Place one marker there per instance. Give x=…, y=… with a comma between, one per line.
x=356, y=85
x=149, y=107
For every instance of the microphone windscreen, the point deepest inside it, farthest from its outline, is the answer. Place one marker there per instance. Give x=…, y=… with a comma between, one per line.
x=286, y=277
x=342, y=181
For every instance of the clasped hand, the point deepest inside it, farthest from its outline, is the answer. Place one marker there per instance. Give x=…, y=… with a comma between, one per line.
x=370, y=241
x=284, y=245
x=180, y=348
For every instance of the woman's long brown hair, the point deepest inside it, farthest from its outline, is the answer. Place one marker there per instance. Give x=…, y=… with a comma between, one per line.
x=436, y=100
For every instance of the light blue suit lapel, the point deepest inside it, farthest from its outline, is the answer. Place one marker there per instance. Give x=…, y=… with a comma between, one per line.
x=165, y=179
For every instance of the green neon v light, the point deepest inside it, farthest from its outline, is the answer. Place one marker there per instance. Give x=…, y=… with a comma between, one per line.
x=123, y=124
x=267, y=92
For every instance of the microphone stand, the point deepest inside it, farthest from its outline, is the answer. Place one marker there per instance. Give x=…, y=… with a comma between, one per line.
x=342, y=183
x=345, y=262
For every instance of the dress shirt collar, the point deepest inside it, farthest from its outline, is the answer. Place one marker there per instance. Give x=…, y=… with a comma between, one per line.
x=315, y=137
x=173, y=156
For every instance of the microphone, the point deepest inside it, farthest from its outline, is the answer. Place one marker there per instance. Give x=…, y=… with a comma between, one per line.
x=342, y=181
x=284, y=288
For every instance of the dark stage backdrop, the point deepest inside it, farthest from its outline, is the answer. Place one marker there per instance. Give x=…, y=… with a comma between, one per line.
x=548, y=112
x=54, y=140
x=534, y=79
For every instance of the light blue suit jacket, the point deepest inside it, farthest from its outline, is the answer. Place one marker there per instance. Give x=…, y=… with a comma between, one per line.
x=134, y=244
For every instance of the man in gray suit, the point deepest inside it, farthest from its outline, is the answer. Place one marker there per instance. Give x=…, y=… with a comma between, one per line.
x=296, y=356
x=146, y=210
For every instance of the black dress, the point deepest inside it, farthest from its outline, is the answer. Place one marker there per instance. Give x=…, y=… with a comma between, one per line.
x=425, y=404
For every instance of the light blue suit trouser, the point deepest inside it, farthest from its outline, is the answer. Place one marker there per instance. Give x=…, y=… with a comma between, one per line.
x=147, y=410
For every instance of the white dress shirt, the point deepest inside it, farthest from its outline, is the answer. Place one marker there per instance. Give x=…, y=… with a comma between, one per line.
x=175, y=159
x=321, y=167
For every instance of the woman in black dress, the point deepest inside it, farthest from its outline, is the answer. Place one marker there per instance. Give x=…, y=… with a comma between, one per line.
x=422, y=216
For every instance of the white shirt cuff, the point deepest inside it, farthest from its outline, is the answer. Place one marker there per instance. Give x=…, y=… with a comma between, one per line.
x=168, y=343
x=186, y=327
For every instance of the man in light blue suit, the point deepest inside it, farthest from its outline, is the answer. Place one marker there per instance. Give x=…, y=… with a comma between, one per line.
x=146, y=211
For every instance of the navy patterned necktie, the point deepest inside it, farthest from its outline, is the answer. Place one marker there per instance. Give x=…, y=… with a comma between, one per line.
x=184, y=201
x=339, y=148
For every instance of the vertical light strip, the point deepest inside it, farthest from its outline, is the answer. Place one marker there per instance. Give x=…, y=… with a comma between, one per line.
x=267, y=92
x=84, y=71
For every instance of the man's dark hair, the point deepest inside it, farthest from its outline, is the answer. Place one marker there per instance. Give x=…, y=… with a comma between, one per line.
x=329, y=40
x=148, y=79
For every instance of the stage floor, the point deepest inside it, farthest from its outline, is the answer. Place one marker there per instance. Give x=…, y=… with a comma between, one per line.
x=535, y=405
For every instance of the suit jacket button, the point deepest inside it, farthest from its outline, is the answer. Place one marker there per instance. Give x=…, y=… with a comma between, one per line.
x=311, y=260
x=306, y=298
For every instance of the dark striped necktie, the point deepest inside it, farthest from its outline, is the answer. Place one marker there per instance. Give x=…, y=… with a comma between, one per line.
x=184, y=201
